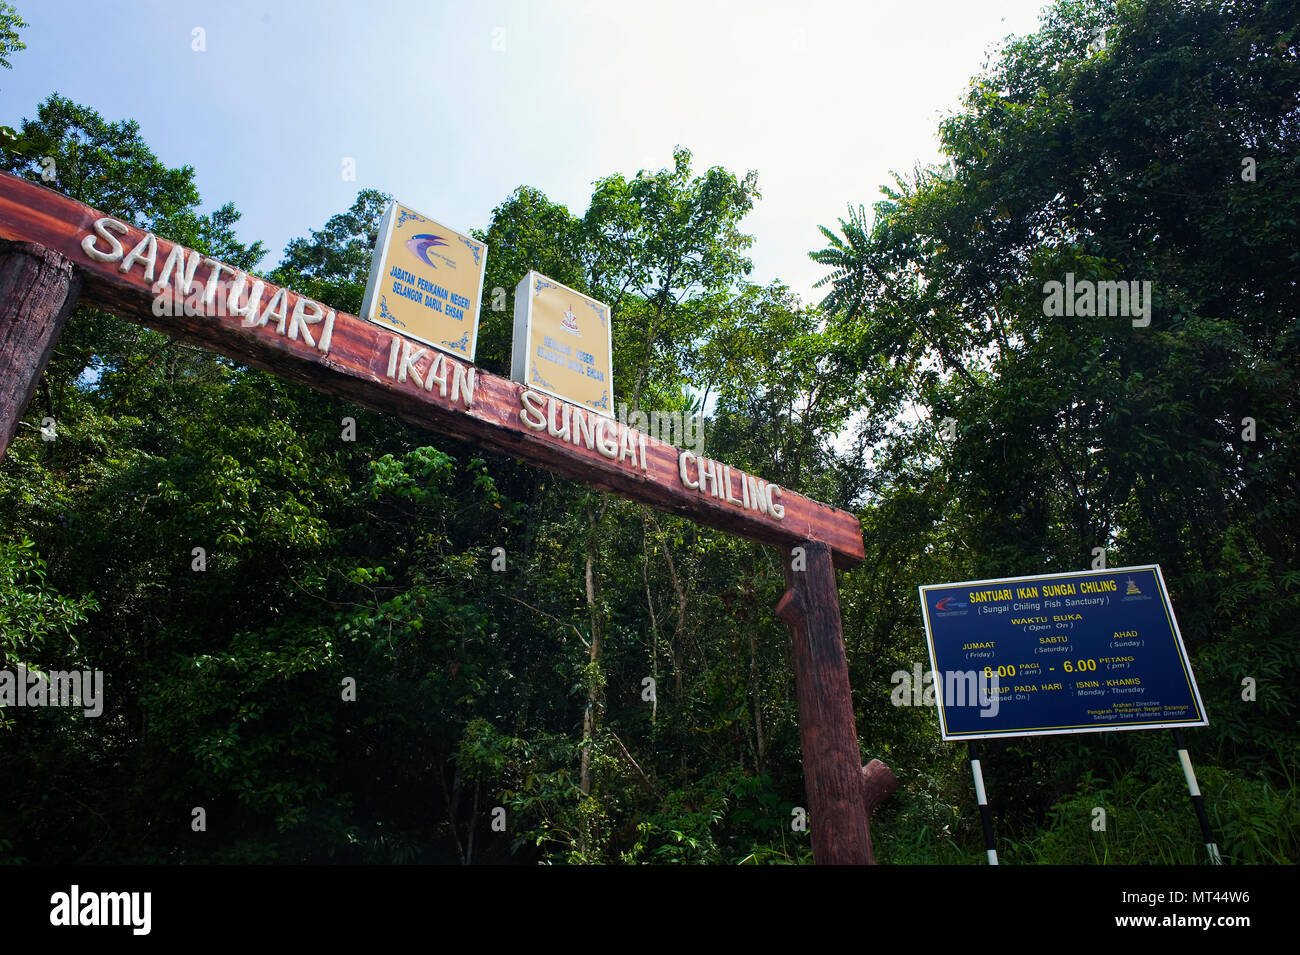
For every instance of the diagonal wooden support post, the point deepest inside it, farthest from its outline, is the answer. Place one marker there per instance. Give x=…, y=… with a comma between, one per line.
x=878, y=783
x=38, y=288
x=841, y=791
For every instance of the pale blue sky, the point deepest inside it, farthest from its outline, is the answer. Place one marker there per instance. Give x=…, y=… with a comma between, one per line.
x=823, y=99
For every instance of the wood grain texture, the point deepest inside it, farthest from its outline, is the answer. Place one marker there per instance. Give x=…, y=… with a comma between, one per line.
x=38, y=288
x=878, y=783
x=356, y=365
x=840, y=794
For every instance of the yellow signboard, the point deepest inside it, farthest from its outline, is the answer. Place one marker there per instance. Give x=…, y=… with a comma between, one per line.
x=563, y=344
x=427, y=281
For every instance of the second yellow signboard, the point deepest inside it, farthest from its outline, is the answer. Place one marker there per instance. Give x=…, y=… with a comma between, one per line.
x=563, y=344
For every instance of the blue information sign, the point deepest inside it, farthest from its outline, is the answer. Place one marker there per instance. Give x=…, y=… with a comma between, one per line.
x=1059, y=653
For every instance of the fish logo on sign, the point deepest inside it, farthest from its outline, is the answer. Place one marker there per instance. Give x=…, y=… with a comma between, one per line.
x=421, y=244
x=951, y=606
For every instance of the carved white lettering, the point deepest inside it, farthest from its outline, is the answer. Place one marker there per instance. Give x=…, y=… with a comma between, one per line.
x=184, y=264
x=210, y=290
x=392, y=356
x=778, y=510
x=530, y=410
x=627, y=447
x=462, y=383
x=554, y=430
x=726, y=483
x=709, y=477
x=249, y=311
x=277, y=308
x=682, y=460
x=409, y=358
x=301, y=318
x=327, y=335
x=146, y=251
x=757, y=493
x=101, y=228
x=605, y=444
x=583, y=430
x=438, y=373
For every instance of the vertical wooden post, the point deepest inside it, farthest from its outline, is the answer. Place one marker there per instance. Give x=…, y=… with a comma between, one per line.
x=38, y=288
x=838, y=788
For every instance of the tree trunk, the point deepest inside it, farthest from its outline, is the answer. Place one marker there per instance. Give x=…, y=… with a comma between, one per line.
x=597, y=629
x=654, y=625
x=757, y=697
x=679, y=633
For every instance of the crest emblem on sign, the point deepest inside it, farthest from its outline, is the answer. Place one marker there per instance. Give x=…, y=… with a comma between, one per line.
x=570, y=322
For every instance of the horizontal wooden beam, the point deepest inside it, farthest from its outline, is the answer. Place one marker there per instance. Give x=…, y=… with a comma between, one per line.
x=152, y=281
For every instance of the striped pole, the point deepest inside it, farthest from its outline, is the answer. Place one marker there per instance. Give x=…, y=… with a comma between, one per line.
x=1198, y=801
x=986, y=814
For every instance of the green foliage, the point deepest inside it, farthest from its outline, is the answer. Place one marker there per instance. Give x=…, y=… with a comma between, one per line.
x=10, y=24
x=1114, y=160
x=1150, y=820
x=660, y=238
x=334, y=264
x=681, y=832
x=36, y=622
x=527, y=231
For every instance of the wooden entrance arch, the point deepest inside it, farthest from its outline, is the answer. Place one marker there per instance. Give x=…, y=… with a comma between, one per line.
x=55, y=252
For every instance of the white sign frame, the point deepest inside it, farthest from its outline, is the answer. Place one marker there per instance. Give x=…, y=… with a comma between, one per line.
x=523, y=341
x=1001, y=734
x=371, y=299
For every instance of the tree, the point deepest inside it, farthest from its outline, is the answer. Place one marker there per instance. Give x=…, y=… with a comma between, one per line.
x=527, y=231
x=109, y=166
x=10, y=24
x=1121, y=160
x=653, y=241
x=334, y=264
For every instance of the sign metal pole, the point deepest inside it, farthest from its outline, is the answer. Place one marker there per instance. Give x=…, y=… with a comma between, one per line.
x=986, y=814
x=1198, y=801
